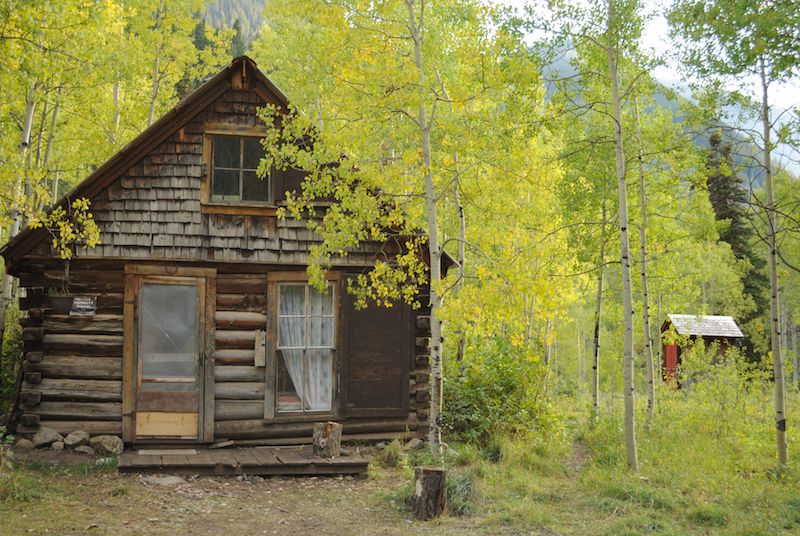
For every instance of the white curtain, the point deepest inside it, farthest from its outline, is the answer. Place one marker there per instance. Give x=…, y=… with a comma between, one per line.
x=292, y=336
x=316, y=391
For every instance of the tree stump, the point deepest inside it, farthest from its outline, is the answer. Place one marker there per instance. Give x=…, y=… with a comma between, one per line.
x=428, y=500
x=327, y=439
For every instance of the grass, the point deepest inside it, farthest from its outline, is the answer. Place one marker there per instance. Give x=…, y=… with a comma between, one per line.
x=701, y=472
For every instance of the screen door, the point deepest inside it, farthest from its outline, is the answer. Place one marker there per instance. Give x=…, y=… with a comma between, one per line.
x=169, y=365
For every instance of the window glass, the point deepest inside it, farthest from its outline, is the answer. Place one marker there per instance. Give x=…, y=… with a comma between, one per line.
x=233, y=170
x=305, y=344
x=225, y=185
x=253, y=153
x=226, y=152
x=254, y=188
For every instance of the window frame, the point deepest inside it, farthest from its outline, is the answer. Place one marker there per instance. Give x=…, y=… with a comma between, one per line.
x=274, y=281
x=208, y=205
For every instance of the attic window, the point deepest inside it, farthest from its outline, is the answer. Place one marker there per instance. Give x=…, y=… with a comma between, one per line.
x=233, y=170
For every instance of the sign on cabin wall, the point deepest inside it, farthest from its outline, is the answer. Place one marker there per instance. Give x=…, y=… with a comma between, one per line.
x=83, y=306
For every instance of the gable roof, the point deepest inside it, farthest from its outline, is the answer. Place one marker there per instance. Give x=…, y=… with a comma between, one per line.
x=242, y=71
x=705, y=325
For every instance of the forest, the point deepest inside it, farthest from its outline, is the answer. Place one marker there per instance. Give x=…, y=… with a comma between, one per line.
x=585, y=182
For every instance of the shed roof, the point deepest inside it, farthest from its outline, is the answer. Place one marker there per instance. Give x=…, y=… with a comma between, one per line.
x=705, y=325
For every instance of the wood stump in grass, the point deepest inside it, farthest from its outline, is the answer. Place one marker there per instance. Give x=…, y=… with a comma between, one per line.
x=428, y=500
x=327, y=439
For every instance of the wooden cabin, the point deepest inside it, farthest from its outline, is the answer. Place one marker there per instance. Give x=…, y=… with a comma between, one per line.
x=193, y=321
x=712, y=329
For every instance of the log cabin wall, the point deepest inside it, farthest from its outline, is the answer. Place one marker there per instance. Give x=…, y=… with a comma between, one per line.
x=148, y=202
x=73, y=365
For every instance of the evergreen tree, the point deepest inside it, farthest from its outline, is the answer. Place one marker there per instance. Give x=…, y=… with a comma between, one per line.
x=729, y=200
x=239, y=42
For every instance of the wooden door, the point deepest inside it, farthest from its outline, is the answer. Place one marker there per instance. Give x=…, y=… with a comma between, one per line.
x=169, y=357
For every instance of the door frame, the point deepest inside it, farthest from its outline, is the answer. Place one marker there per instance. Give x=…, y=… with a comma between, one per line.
x=134, y=273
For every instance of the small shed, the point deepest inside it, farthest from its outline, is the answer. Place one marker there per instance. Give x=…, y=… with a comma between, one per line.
x=712, y=328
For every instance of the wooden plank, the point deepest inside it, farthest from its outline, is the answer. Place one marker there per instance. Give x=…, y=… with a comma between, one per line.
x=169, y=270
x=101, y=345
x=242, y=284
x=162, y=424
x=295, y=457
x=245, y=457
x=222, y=458
x=172, y=460
x=201, y=459
x=209, y=349
x=266, y=457
x=244, y=340
x=74, y=390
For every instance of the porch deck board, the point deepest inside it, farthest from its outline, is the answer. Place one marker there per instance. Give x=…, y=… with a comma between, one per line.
x=262, y=461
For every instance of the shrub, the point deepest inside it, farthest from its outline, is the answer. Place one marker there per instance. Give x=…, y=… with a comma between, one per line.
x=501, y=390
x=392, y=456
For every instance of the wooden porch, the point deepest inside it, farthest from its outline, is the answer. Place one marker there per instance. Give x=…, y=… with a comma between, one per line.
x=261, y=461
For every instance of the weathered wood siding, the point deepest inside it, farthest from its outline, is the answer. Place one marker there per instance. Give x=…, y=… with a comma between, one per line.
x=153, y=211
x=73, y=366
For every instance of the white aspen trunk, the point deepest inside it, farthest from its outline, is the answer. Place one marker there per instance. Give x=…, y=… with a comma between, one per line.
x=580, y=359
x=156, y=81
x=435, y=432
x=597, y=316
x=49, y=149
x=117, y=111
x=462, y=237
x=625, y=255
x=648, y=339
x=7, y=294
x=774, y=303
x=793, y=341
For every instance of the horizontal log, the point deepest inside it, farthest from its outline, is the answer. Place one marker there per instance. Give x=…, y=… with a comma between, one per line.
x=90, y=411
x=244, y=340
x=240, y=320
x=105, y=345
x=423, y=322
x=232, y=410
x=100, y=324
x=77, y=390
x=33, y=334
x=96, y=368
x=234, y=357
x=67, y=427
x=242, y=302
x=242, y=284
x=77, y=281
x=107, y=303
x=34, y=378
x=305, y=440
x=238, y=374
x=30, y=398
x=34, y=357
x=239, y=391
x=256, y=428
x=29, y=419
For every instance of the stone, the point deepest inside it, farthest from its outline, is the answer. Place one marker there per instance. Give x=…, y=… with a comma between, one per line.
x=165, y=481
x=24, y=444
x=413, y=444
x=58, y=445
x=380, y=445
x=76, y=439
x=107, y=444
x=46, y=437
x=85, y=449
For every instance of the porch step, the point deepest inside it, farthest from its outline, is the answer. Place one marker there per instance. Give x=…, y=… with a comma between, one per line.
x=261, y=461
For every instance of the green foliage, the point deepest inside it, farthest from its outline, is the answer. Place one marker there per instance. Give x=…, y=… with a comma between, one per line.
x=392, y=456
x=11, y=358
x=460, y=493
x=501, y=390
